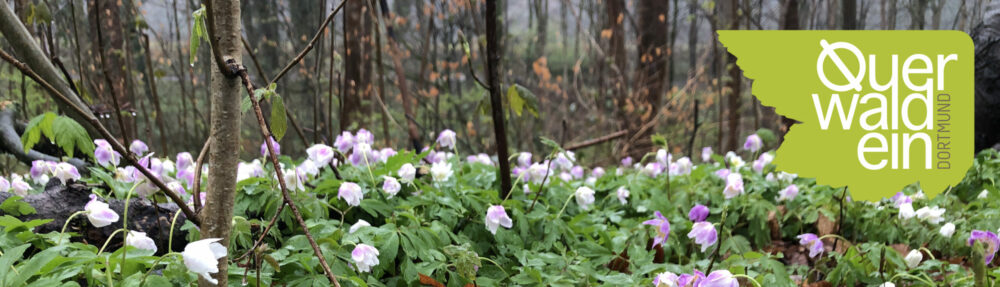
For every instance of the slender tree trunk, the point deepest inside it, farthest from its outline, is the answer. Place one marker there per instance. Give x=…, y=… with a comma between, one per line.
x=225, y=129
x=850, y=13
x=493, y=67
x=735, y=83
x=652, y=73
x=151, y=81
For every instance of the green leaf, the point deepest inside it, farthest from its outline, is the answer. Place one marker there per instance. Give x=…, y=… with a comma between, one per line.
x=516, y=102
x=197, y=32
x=16, y=206
x=7, y=260
x=245, y=104
x=37, y=261
x=72, y=136
x=38, y=126
x=278, y=125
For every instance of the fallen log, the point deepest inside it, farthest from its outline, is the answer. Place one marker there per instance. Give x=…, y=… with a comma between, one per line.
x=59, y=202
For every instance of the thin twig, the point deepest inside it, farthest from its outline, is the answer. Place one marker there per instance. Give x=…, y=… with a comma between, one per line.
x=130, y=158
x=196, y=187
x=302, y=54
x=594, y=141
x=266, y=133
x=288, y=113
x=541, y=189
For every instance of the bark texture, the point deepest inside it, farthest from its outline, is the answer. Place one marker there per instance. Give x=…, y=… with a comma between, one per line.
x=225, y=125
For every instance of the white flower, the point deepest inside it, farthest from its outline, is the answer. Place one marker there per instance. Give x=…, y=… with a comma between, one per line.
x=202, y=257
x=584, y=197
x=293, y=180
x=665, y=279
x=321, y=154
x=663, y=157
x=931, y=214
x=365, y=256
x=623, y=195
x=564, y=160
x=906, y=211
x=308, y=167
x=351, y=193
x=140, y=240
x=786, y=177
x=734, y=185
x=681, y=167
x=441, y=171
x=391, y=186
x=913, y=258
x=18, y=185
x=983, y=194
x=99, y=214
x=361, y=223
x=407, y=172
x=4, y=185
x=947, y=229
x=887, y=284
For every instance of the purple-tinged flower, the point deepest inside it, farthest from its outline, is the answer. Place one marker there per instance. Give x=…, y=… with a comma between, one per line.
x=704, y=233
x=565, y=176
x=384, y=154
x=99, y=214
x=900, y=198
x=652, y=169
x=202, y=257
x=344, y=142
x=734, y=185
x=576, y=172
x=989, y=240
x=358, y=225
x=682, y=166
x=184, y=161
x=665, y=279
x=362, y=155
x=788, y=193
x=627, y=161
x=187, y=175
x=308, y=167
x=40, y=168
x=762, y=162
x=4, y=185
x=407, y=172
x=480, y=158
x=812, y=242
x=662, y=230
x=140, y=240
x=176, y=187
x=720, y=278
x=351, y=193
x=66, y=172
x=264, y=149
x=321, y=154
x=584, y=197
x=536, y=173
x=622, y=195
x=364, y=136
x=139, y=148
x=706, y=154
x=564, y=160
x=104, y=154
x=723, y=173
x=391, y=186
x=690, y=280
x=524, y=159
x=698, y=213
x=446, y=139
x=365, y=256
x=496, y=216
x=753, y=143
x=597, y=172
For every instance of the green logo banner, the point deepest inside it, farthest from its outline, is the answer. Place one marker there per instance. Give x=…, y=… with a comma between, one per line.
x=878, y=109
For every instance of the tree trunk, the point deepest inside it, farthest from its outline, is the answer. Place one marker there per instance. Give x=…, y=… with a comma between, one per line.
x=734, y=84
x=652, y=73
x=357, y=70
x=850, y=13
x=225, y=129
x=493, y=71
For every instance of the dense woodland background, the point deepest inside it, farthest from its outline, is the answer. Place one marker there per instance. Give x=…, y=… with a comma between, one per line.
x=583, y=68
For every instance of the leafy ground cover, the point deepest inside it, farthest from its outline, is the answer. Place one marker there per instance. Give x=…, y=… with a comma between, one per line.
x=436, y=218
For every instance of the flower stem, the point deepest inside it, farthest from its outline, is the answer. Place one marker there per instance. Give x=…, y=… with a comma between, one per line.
x=571, y=195
x=170, y=240
x=755, y=283
x=63, y=231
x=109, y=240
